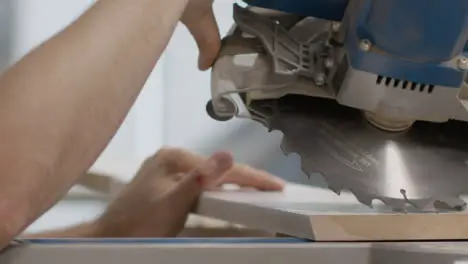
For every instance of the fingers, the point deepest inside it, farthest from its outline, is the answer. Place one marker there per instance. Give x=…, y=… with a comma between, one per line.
x=184, y=161
x=177, y=160
x=208, y=173
x=206, y=33
x=247, y=176
x=212, y=170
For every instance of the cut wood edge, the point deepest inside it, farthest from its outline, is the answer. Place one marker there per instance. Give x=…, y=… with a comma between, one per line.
x=390, y=227
x=257, y=217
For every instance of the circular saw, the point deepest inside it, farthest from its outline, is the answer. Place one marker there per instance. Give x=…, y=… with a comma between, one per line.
x=360, y=90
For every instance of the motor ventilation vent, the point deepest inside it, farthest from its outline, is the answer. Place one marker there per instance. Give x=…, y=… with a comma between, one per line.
x=405, y=85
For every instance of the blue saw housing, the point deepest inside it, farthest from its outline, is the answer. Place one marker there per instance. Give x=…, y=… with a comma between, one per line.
x=412, y=40
x=325, y=9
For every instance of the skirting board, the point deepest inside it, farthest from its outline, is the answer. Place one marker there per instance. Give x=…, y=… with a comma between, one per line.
x=320, y=215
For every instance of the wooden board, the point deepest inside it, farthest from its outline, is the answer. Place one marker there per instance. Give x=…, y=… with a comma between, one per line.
x=318, y=214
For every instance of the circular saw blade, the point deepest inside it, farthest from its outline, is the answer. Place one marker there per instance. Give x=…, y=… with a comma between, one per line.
x=425, y=167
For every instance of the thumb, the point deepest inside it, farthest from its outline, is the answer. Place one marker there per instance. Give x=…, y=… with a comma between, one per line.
x=207, y=174
x=205, y=31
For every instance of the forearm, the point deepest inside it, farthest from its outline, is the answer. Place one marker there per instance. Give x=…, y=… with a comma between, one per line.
x=61, y=104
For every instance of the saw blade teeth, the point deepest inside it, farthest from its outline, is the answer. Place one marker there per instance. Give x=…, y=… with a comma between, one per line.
x=286, y=147
x=272, y=127
x=398, y=205
x=335, y=189
x=334, y=185
x=338, y=183
x=425, y=205
x=364, y=199
x=450, y=203
x=308, y=168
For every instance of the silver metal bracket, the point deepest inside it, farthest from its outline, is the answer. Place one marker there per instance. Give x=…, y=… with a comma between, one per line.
x=290, y=56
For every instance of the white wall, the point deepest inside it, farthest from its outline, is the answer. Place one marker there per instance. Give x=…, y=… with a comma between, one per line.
x=170, y=110
x=36, y=21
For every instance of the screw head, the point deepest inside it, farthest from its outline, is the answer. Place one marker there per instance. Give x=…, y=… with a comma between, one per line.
x=365, y=45
x=319, y=79
x=329, y=63
x=462, y=63
x=336, y=26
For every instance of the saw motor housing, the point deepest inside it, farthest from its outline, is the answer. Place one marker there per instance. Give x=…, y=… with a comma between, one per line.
x=398, y=61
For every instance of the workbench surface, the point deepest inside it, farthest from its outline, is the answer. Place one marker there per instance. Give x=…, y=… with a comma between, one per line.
x=231, y=251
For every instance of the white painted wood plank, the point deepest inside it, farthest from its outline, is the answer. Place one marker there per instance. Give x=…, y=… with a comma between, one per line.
x=321, y=215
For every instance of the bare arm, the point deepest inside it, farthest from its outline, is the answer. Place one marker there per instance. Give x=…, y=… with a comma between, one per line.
x=61, y=104
x=85, y=230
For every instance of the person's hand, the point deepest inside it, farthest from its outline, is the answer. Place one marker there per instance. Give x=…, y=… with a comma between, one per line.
x=200, y=21
x=163, y=193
